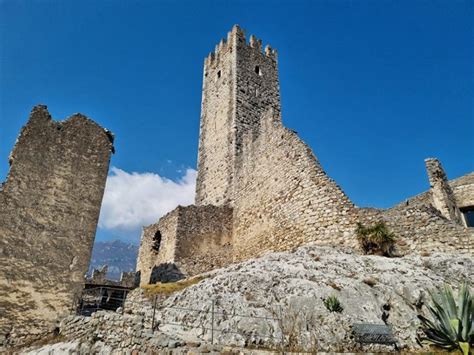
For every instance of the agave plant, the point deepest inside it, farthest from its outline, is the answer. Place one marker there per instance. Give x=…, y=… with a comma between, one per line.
x=376, y=239
x=452, y=323
x=333, y=304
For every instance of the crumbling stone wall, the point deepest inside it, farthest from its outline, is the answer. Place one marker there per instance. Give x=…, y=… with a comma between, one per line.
x=463, y=190
x=204, y=238
x=419, y=228
x=441, y=194
x=285, y=198
x=157, y=245
x=99, y=276
x=49, y=208
x=424, y=223
x=194, y=238
x=425, y=229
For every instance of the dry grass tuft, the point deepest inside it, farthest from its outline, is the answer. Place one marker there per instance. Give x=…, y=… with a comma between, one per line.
x=171, y=287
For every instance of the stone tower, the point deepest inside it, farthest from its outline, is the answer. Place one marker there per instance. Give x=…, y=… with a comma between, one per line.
x=240, y=84
x=49, y=208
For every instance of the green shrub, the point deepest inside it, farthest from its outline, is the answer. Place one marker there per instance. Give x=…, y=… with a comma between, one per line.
x=452, y=323
x=333, y=304
x=376, y=239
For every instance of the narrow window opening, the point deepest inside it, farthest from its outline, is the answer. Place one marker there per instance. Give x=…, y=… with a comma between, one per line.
x=258, y=70
x=156, y=241
x=468, y=213
x=218, y=74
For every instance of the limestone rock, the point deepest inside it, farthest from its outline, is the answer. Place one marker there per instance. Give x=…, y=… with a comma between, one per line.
x=290, y=288
x=276, y=302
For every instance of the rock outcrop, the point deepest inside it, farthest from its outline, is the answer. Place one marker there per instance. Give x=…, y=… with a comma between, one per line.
x=292, y=286
x=277, y=300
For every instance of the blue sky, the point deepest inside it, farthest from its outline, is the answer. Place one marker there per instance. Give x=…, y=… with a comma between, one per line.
x=374, y=87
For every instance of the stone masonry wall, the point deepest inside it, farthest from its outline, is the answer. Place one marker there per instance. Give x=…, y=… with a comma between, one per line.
x=215, y=157
x=152, y=253
x=204, y=239
x=240, y=84
x=425, y=229
x=49, y=208
x=194, y=238
x=99, y=277
x=257, y=89
x=463, y=189
x=419, y=229
x=441, y=194
x=285, y=198
x=419, y=223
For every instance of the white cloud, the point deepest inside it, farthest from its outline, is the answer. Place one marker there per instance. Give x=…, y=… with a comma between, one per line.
x=133, y=200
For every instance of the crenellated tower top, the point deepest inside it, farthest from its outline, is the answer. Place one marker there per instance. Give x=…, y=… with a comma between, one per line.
x=234, y=37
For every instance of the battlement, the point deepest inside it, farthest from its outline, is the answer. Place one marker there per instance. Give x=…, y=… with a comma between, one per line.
x=236, y=37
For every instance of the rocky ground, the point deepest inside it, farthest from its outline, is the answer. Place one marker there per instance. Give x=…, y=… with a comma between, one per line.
x=276, y=302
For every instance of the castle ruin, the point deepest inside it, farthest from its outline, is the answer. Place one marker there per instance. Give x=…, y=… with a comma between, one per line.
x=49, y=209
x=260, y=188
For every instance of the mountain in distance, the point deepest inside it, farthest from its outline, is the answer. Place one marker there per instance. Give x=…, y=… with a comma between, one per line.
x=118, y=255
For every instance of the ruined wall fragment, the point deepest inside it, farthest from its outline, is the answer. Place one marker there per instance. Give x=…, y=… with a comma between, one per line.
x=157, y=245
x=284, y=197
x=49, y=208
x=442, y=195
x=193, y=238
x=463, y=190
x=204, y=238
x=420, y=228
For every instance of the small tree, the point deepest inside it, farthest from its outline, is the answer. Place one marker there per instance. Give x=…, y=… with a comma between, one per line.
x=376, y=239
x=452, y=324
